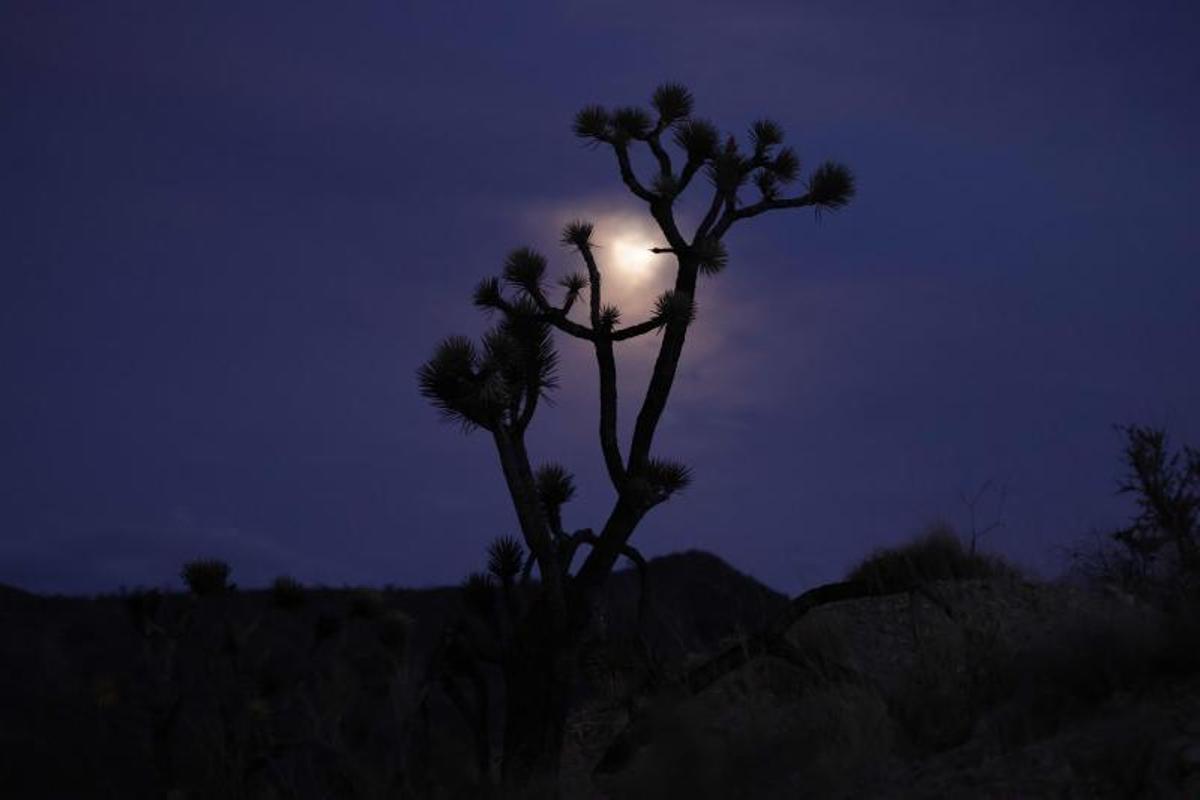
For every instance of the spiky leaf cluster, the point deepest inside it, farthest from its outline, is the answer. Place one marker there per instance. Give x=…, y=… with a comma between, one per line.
x=555, y=486
x=765, y=134
x=785, y=166
x=593, y=123
x=574, y=283
x=488, y=295
x=673, y=102
x=767, y=183
x=483, y=389
x=479, y=593
x=505, y=558
x=711, y=255
x=631, y=122
x=577, y=233
x=610, y=317
x=667, y=477
x=831, y=185
x=524, y=269
x=454, y=383
x=206, y=577
x=674, y=307
x=778, y=170
x=698, y=138
x=529, y=360
x=727, y=170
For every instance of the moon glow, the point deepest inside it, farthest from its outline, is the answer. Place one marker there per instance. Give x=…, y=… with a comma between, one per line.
x=631, y=258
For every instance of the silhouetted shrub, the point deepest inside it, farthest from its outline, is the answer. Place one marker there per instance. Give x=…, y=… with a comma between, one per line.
x=287, y=593
x=206, y=577
x=1156, y=556
x=936, y=555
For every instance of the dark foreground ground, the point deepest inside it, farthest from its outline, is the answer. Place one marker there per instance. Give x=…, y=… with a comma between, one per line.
x=992, y=686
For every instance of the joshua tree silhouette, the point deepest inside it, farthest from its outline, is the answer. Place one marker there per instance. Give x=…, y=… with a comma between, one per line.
x=496, y=386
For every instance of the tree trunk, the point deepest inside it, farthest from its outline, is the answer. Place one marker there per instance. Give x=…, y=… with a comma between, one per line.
x=538, y=685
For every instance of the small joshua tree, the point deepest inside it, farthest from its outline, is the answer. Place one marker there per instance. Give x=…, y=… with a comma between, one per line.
x=497, y=386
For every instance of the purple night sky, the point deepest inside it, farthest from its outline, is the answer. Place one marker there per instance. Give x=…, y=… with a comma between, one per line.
x=231, y=232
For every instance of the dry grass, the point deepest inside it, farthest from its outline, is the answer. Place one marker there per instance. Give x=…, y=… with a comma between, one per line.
x=936, y=555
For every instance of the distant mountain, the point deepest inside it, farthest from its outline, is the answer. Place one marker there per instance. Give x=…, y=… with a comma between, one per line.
x=696, y=600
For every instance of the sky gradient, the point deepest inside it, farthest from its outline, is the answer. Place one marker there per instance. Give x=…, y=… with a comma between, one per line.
x=231, y=232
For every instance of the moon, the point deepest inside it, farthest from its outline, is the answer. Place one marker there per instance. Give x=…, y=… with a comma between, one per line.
x=632, y=258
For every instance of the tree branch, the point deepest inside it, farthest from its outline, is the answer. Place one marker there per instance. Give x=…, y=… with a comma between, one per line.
x=559, y=320
x=663, y=377
x=660, y=153
x=767, y=641
x=588, y=537
x=714, y=208
x=733, y=215
x=551, y=315
x=633, y=331
x=568, y=303
x=514, y=462
x=689, y=171
x=572, y=542
x=627, y=175
x=663, y=214
x=639, y=561
x=607, y=366
x=531, y=401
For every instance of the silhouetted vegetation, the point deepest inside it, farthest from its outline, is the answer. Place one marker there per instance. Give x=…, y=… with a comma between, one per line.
x=299, y=692
x=1156, y=556
x=539, y=629
x=294, y=699
x=870, y=691
x=928, y=666
x=206, y=577
x=938, y=554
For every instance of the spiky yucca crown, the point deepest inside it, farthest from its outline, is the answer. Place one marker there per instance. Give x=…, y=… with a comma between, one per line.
x=505, y=558
x=668, y=477
x=555, y=485
x=480, y=387
x=478, y=593
x=767, y=165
